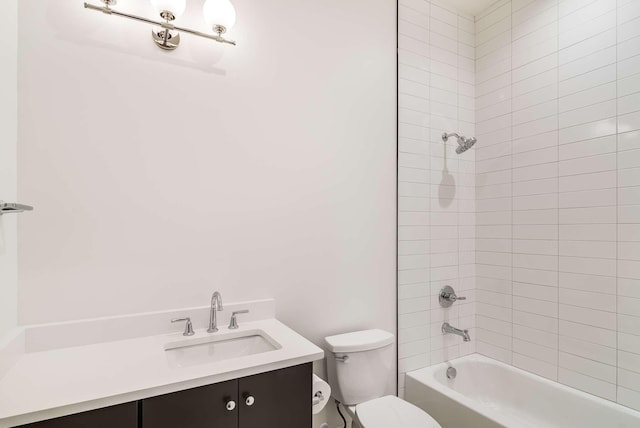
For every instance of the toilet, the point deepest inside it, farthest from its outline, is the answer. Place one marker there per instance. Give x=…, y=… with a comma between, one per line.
x=357, y=363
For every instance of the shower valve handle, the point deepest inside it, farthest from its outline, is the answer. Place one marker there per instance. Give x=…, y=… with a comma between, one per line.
x=448, y=297
x=452, y=297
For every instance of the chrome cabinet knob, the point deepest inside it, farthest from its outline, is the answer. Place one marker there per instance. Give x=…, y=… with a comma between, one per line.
x=231, y=405
x=448, y=297
x=249, y=400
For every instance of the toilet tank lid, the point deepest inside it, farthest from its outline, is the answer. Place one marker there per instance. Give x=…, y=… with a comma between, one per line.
x=358, y=341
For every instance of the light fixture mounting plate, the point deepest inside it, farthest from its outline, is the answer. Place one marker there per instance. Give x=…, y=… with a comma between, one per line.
x=169, y=43
x=165, y=14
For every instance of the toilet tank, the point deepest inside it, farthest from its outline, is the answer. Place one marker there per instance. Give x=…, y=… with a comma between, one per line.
x=359, y=365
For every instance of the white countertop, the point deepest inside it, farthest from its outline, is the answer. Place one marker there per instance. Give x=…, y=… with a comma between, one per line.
x=56, y=382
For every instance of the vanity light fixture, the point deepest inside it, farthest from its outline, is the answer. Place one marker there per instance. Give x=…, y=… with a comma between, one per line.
x=219, y=15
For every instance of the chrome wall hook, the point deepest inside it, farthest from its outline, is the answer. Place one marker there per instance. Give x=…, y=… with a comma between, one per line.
x=13, y=208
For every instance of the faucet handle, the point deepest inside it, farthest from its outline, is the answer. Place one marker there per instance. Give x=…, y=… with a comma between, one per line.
x=188, y=328
x=233, y=324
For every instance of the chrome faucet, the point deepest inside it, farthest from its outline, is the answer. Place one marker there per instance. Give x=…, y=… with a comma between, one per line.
x=216, y=305
x=449, y=329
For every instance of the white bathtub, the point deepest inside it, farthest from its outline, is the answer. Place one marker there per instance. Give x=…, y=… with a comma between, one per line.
x=489, y=394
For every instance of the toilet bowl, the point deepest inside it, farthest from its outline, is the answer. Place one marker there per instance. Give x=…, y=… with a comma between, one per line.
x=359, y=365
x=390, y=412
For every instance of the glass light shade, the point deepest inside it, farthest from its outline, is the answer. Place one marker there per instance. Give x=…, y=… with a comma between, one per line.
x=219, y=12
x=176, y=7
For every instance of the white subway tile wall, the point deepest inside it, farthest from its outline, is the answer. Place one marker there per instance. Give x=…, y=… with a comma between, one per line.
x=558, y=191
x=539, y=223
x=436, y=200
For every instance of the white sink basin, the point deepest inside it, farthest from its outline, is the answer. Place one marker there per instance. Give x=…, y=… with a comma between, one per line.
x=203, y=350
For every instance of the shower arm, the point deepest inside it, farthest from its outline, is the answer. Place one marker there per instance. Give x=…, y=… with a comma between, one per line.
x=445, y=136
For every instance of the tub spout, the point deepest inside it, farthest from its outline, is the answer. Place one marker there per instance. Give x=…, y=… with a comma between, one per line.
x=449, y=329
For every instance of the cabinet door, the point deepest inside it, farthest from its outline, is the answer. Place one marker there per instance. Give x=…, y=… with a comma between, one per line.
x=204, y=407
x=278, y=399
x=121, y=416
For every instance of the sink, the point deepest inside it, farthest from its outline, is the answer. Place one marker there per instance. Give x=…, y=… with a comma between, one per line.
x=191, y=352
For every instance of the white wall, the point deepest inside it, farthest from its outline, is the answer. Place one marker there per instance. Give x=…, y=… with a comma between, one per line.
x=8, y=174
x=262, y=170
x=436, y=186
x=558, y=191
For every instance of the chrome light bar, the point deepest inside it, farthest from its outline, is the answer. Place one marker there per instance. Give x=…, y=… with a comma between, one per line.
x=165, y=39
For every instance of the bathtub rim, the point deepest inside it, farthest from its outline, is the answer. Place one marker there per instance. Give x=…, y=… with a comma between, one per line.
x=426, y=376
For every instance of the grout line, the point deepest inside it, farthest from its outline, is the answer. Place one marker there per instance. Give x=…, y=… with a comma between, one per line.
x=412, y=9
x=617, y=209
x=511, y=156
x=430, y=78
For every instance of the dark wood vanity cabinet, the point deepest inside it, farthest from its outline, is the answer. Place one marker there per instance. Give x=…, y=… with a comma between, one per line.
x=276, y=399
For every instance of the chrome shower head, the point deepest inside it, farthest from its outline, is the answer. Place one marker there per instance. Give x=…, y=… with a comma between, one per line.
x=464, y=143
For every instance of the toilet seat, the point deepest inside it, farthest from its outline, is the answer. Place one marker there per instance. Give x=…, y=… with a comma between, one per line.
x=390, y=411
